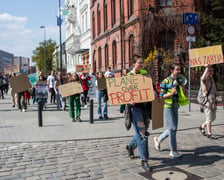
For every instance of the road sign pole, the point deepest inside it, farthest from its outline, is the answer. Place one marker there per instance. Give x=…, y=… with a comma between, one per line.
x=189, y=80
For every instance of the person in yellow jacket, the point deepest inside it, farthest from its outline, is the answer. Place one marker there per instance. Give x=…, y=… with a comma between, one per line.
x=173, y=98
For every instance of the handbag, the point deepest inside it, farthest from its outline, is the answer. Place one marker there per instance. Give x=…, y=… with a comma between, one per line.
x=201, y=98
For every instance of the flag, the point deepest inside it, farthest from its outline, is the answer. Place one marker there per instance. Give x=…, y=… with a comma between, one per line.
x=59, y=21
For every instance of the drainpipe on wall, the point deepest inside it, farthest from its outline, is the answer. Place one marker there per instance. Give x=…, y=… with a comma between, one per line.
x=122, y=36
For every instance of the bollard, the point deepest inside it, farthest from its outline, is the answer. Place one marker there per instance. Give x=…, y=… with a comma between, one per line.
x=40, y=114
x=91, y=111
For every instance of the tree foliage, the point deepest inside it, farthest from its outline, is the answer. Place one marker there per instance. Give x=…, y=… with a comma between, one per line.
x=38, y=55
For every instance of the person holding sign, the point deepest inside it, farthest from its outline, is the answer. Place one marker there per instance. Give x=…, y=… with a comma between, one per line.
x=101, y=93
x=74, y=98
x=140, y=120
x=171, y=95
x=209, y=88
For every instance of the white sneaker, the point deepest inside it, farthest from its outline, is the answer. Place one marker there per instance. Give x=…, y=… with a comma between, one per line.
x=156, y=143
x=24, y=110
x=86, y=106
x=175, y=154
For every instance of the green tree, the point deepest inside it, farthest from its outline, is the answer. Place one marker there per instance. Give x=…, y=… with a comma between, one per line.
x=38, y=55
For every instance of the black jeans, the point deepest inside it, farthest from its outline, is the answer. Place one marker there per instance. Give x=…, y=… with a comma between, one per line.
x=52, y=95
x=2, y=91
x=85, y=92
x=21, y=97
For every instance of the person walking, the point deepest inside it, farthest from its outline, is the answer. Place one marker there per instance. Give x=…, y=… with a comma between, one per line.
x=172, y=100
x=50, y=84
x=140, y=121
x=1, y=86
x=101, y=94
x=59, y=99
x=209, y=89
x=84, y=77
x=74, y=99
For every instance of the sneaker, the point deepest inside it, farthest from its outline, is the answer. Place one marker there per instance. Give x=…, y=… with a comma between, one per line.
x=100, y=117
x=86, y=106
x=13, y=105
x=156, y=144
x=73, y=120
x=146, y=166
x=130, y=151
x=78, y=119
x=175, y=154
x=20, y=110
x=105, y=117
x=24, y=110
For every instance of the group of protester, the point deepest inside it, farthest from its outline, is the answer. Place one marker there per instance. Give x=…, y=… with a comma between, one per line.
x=4, y=85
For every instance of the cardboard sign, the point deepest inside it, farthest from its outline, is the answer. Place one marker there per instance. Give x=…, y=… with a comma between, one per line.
x=157, y=113
x=20, y=83
x=33, y=78
x=101, y=83
x=70, y=89
x=92, y=86
x=83, y=68
x=11, y=68
x=41, y=90
x=127, y=89
x=207, y=55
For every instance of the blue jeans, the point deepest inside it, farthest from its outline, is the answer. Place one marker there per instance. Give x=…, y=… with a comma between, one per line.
x=171, y=122
x=139, y=140
x=99, y=95
x=58, y=99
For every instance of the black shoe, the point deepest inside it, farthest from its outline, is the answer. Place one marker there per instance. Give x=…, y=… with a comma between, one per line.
x=105, y=117
x=78, y=119
x=100, y=117
x=146, y=166
x=130, y=152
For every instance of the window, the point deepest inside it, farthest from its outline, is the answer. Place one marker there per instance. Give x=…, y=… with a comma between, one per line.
x=83, y=28
x=164, y=3
x=113, y=12
x=114, y=51
x=98, y=20
x=130, y=7
x=99, y=59
x=131, y=47
x=167, y=41
x=93, y=25
x=86, y=21
x=94, y=61
x=105, y=14
x=106, y=56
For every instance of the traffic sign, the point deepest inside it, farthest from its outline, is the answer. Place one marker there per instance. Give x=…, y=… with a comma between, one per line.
x=190, y=38
x=190, y=18
x=190, y=30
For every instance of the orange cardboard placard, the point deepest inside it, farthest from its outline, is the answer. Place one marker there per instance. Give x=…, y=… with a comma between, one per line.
x=20, y=83
x=127, y=89
x=70, y=89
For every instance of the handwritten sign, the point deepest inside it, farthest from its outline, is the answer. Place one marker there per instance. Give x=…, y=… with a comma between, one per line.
x=20, y=83
x=11, y=68
x=70, y=89
x=33, y=78
x=207, y=55
x=127, y=89
x=41, y=89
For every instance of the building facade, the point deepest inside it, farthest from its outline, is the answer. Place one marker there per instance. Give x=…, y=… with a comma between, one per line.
x=5, y=59
x=78, y=34
x=121, y=28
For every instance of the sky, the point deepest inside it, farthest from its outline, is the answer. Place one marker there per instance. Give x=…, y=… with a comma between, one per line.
x=20, y=22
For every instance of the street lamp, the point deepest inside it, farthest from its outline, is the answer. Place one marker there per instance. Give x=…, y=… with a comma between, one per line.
x=45, y=66
x=60, y=21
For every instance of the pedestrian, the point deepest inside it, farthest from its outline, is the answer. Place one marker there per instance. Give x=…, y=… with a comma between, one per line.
x=74, y=99
x=59, y=98
x=140, y=121
x=27, y=97
x=6, y=83
x=109, y=73
x=209, y=89
x=21, y=101
x=50, y=83
x=171, y=96
x=101, y=93
x=84, y=77
x=1, y=86
x=13, y=95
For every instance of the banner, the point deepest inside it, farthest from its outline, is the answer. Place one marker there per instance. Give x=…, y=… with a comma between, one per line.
x=83, y=68
x=127, y=89
x=11, y=68
x=33, y=78
x=207, y=55
x=41, y=89
x=70, y=89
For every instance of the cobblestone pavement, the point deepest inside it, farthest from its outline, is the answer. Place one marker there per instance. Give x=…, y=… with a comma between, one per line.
x=25, y=154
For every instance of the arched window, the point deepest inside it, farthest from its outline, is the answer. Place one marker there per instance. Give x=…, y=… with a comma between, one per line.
x=94, y=61
x=105, y=14
x=113, y=12
x=93, y=25
x=165, y=3
x=99, y=59
x=106, y=56
x=130, y=7
x=131, y=41
x=167, y=41
x=98, y=20
x=114, y=53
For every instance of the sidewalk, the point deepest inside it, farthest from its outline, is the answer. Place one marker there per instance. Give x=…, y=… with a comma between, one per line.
x=18, y=126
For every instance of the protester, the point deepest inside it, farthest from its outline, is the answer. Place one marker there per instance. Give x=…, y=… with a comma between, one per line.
x=101, y=93
x=50, y=83
x=171, y=96
x=140, y=121
x=59, y=99
x=21, y=101
x=74, y=99
x=209, y=89
x=13, y=95
x=1, y=86
x=84, y=77
x=27, y=97
x=6, y=83
x=109, y=73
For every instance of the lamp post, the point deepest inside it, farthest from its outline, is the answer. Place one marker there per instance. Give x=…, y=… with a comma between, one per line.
x=45, y=66
x=60, y=20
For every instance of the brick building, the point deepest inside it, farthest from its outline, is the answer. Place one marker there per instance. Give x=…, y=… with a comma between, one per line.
x=120, y=28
